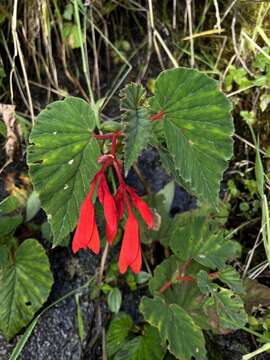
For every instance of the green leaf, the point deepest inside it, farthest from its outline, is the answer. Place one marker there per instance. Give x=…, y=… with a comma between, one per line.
x=138, y=125
x=185, y=294
x=63, y=160
x=71, y=35
x=197, y=126
x=142, y=277
x=168, y=193
x=194, y=237
x=3, y=128
x=203, y=282
x=118, y=332
x=232, y=278
x=25, y=286
x=9, y=204
x=230, y=309
x=114, y=300
x=9, y=224
x=168, y=164
x=185, y=338
x=163, y=273
x=32, y=205
x=145, y=347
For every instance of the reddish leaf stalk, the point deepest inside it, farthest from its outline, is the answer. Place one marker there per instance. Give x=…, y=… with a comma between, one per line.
x=158, y=116
x=109, y=136
x=168, y=284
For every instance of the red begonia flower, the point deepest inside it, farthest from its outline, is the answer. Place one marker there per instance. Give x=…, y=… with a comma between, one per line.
x=142, y=207
x=130, y=253
x=119, y=202
x=110, y=211
x=86, y=234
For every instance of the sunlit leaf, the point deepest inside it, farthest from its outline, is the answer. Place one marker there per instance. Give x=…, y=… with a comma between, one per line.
x=63, y=160
x=198, y=127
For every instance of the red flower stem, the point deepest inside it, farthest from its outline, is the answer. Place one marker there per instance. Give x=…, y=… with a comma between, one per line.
x=109, y=136
x=168, y=284
x=185, y=278
x=114, y=143
x=118, y=171
x=158, y=116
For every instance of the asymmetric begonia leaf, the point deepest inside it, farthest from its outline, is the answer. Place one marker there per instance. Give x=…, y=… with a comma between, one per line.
x=185, y=339
x=183, y=293
x=138, y=125
x=143, y=347
x=198, y=127
x=25, y=285
x=229, y=307
x=63, y=160
x=194, y=237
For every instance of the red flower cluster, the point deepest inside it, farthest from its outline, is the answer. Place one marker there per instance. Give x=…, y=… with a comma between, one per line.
x=87, y=236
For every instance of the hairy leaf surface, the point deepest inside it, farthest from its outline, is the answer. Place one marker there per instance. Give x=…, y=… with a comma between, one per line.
x=138, y=125
x=194, y=237
x=63, y=160
x=25, y=286
x=197, y=125
x=185, y=338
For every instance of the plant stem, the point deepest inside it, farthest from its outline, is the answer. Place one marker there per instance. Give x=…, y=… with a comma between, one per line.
x=102, y=263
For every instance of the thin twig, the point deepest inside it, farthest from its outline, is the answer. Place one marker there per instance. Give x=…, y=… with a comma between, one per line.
x=217, y=26
x=190, y=26
x=142, y=179
x=236, y=48
x=18, y=51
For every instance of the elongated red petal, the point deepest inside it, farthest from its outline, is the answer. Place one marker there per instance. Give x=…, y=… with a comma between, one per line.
x=110, y=211
x=137, y=263
x=143, y=208
x=85, y=225
x=94, y=243
x=130, y=253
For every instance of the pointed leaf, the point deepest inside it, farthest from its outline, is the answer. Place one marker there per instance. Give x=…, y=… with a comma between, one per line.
x=230, y=309
x=138, y=125
x=185, y=338
x=197, y=126
x=232, y=278
x=144, y=347
x=194, y=237
x=183, y=293
x=25, y=286
x=63, y=161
